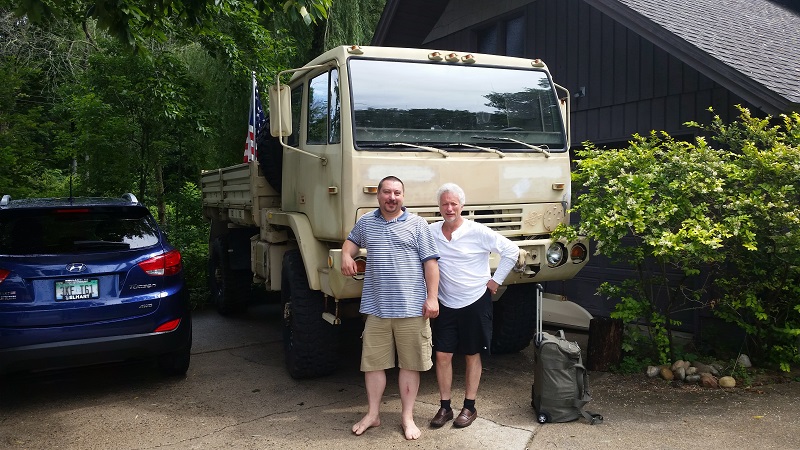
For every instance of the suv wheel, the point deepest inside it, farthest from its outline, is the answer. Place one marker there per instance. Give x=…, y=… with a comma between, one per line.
x=177, y=363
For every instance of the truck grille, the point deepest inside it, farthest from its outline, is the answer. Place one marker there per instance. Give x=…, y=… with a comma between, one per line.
x=505, y=220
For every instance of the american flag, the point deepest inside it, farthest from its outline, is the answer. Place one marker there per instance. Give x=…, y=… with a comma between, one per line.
x=256, y=123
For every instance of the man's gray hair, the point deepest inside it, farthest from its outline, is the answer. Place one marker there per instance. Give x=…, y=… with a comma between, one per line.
x=453, y=189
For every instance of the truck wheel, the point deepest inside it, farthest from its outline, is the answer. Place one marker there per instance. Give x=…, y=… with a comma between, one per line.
x=309, y=342
x=230, y=289
x=514, y=319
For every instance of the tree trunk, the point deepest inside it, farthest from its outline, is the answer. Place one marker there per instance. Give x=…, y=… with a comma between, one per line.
x=162, y=215
x=605, y=343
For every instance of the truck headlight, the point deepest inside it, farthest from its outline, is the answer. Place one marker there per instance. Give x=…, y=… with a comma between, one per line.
x=555, y=254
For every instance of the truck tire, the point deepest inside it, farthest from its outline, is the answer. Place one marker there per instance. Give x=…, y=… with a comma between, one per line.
x=230, y=289
x=270, y=158
x=310, y=343
x=514, y=319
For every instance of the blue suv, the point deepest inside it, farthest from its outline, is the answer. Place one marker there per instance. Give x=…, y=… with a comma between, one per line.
x=86, y=281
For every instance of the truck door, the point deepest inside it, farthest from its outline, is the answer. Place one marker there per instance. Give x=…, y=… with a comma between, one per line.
x=314, y=184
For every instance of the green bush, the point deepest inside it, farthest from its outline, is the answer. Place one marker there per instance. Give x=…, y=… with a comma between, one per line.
x=630, y=364
x=760, y=290
x=188, y=232
x=703, y=227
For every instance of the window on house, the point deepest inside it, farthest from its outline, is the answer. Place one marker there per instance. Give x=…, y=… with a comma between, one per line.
x=487, y=40
x=515, y=37
x=506, y=37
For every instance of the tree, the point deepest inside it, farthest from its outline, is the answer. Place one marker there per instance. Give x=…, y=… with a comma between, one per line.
x=134, y=22
x=352, y=22
x=760, y=290
x=704, y=227
x=655, y=204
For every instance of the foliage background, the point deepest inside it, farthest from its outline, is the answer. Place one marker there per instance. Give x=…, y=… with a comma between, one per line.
x=710, y=224
x=101, y=98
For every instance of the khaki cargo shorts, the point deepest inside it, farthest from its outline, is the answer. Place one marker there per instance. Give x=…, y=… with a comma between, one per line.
x=409, y=337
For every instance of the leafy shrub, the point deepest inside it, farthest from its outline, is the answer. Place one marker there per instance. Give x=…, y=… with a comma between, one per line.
x=703, y=227
x=630, y=364
x=188, y=232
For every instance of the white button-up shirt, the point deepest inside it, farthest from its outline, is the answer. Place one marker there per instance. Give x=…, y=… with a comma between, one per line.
x=464, y=261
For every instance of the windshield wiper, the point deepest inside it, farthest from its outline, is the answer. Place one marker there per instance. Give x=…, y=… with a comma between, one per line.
x=421, y=147
x=530, y=146
x=485, y=149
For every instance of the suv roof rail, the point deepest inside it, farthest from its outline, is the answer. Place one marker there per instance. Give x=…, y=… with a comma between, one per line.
x=5, y=200
x=130, y=197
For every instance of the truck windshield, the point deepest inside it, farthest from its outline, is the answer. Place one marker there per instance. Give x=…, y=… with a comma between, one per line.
x=457, y=107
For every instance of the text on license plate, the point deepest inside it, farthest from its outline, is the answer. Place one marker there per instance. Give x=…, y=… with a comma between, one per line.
x=78, y=289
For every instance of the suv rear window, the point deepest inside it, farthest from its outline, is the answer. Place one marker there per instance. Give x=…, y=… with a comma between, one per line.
x=25, y=231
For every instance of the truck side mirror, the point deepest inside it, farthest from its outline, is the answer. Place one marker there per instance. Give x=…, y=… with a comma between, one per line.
x=280, y=117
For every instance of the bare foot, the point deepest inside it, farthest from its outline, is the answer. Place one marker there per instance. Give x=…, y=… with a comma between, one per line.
x=411, y=431
x=365, y=423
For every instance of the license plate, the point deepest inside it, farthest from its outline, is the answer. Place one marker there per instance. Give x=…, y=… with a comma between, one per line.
x=79, y=289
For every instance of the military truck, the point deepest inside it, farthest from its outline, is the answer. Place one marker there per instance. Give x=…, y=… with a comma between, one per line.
x=497, y=126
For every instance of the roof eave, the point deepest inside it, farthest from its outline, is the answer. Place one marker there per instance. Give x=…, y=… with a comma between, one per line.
x=735, y=81
x=387, y=16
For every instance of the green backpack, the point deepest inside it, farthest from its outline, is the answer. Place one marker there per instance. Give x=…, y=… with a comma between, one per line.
x=560, y=382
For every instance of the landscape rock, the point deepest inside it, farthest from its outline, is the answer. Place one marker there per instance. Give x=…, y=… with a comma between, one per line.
x=709, y=381
x=703, y=368
x=727, y=382
x=653, y=371
x=744, y=361
x=667, y=374
x=677, y=365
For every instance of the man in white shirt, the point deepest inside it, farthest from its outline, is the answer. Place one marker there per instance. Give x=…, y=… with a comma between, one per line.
x=466, y=284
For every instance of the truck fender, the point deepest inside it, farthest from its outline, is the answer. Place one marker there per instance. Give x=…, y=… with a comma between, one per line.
x=314, y=253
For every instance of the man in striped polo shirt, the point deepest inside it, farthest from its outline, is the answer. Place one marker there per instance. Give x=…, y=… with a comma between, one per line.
x=399, y=297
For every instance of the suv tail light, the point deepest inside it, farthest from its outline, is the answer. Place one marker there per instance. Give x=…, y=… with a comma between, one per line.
x=162, y=265
x=3, y=274
x=169, y=326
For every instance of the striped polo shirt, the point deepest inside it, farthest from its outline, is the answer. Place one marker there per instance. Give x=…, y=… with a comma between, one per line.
x=394, y=282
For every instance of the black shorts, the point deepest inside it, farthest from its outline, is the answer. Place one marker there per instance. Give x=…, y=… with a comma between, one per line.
x=466, y=330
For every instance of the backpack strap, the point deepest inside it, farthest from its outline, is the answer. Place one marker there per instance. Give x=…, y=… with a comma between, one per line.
x=584, y=397
x=593, y=418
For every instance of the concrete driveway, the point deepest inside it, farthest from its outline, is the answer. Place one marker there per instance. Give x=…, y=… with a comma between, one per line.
x=237, y=395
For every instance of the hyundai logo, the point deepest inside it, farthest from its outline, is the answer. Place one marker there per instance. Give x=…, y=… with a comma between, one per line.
x=76, y=267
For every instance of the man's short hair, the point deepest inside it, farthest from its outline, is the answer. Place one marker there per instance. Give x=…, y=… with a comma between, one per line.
x=391, y=178
x=453, y=189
